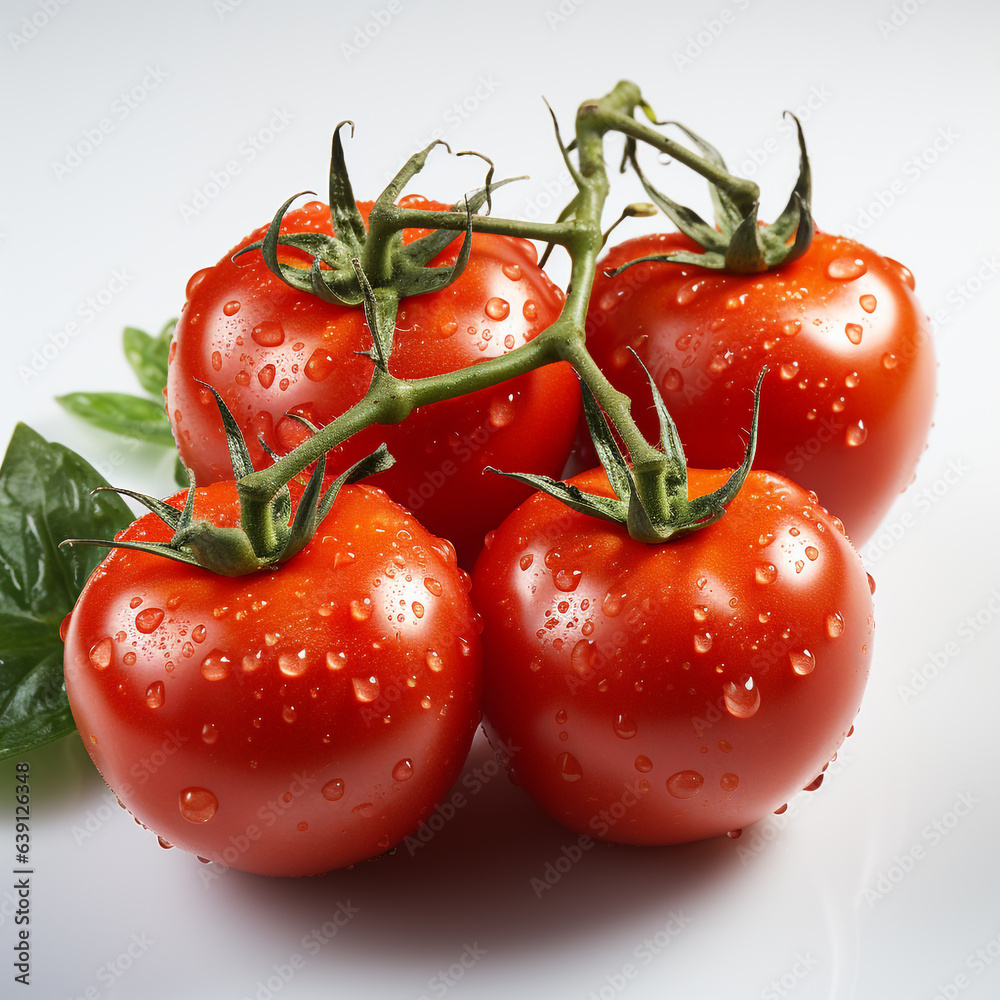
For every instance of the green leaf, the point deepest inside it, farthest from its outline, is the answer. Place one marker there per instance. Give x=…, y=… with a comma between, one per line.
x=44, y=498
x=148, y=356
x=132, y=416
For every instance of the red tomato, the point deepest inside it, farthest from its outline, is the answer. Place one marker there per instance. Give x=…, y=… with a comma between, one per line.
x=848, y=407
x=270, y=350
x=655, y=694
x=292, y=721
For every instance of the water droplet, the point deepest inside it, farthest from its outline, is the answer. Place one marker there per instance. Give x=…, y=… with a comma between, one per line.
x=215, y=666
x=742, y=700
x=889, y=361
x=611, y=606
x=231, y=308
x=526, y=561
x=198, y=805
x=580, y=657
x=766, y=573
x=100, y=653
x=320, y=365
x=673, y=380
x=268, y=334
x=293, y=664
x=433, y=661
x=154, y=694
x=643, y=764
x=216, y=360
x=734, y=834
x=685, y=784
x=688, y=291
x=854, y=332
x=361, y=610
x=625, y=727
x=199, y=633
x=567, y=580
x=803, y=662
x=289, y=713
x=209, y=733
x=701, y=613
x=418, y=609
x=513, y=271
x=569, y=767
x=365, y=688
x=530, y=310
x=333, y=790
x=129, y=659
x=501, y=411
x=868, y=303
x=497, y=308
x=725, y=746
x=835, y=625
x=729, y=781
x=846, y=268
x=266, y=376
x=148, y=620
x=703, y=642
x=814, y=784
x=789, y=371
x=871, y=583
x=791, y=328
x=402, y=770
x=812, y=553
x=856, y=434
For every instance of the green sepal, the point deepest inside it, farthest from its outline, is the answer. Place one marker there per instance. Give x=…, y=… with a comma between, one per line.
x=651, y=498
x=239, y=455
x=740, y=245
x=347, y=221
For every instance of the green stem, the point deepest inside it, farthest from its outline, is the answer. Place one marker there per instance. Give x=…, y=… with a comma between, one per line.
x=744, y=193
x=390, y=399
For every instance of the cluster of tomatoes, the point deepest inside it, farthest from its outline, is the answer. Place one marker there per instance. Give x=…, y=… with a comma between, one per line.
x=314, y=714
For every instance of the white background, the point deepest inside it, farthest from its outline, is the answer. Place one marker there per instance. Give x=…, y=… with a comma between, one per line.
x=793, y=906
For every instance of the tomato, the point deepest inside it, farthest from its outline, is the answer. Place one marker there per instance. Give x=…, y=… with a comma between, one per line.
x=656, y=694
x=289, y=722
x=847, y=409
x=271, y=350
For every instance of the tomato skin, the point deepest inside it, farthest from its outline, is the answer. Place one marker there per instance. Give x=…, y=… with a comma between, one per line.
x=852, y=432
x=610, y=665
x=264, y=690
x=269, y=349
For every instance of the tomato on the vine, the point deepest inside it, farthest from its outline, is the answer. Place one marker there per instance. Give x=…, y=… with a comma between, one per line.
x=849, y=410
x=271, y=350
x=291, y=721
x=663, y=693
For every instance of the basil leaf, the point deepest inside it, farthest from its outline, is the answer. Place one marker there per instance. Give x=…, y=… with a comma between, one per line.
x=44, y=498
x=148, y=356
x=132, y=416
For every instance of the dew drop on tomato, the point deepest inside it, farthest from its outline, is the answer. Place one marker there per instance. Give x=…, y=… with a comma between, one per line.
x=742, y=700
x=198, y=805
x=569, y=767
x=155, y=694
x=868, y=303
x=100, y=653
x=835, y=625
x=766, y=573
x=365, y=688
x=846, y=268
x=215, y=666
x=64, y=626
x=729, y=781
x=209, y=733
x=643, y=764
x=803, y=662
x=433, y=661
x=685, y=784
x=402, y=770
x=625, y=727
x=333, y=790
x=148, y=620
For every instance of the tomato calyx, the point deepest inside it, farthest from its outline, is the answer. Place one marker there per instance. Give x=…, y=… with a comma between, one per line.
x=737, y=243
x=651, y=496
x=339, y=261
x=271, y=535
